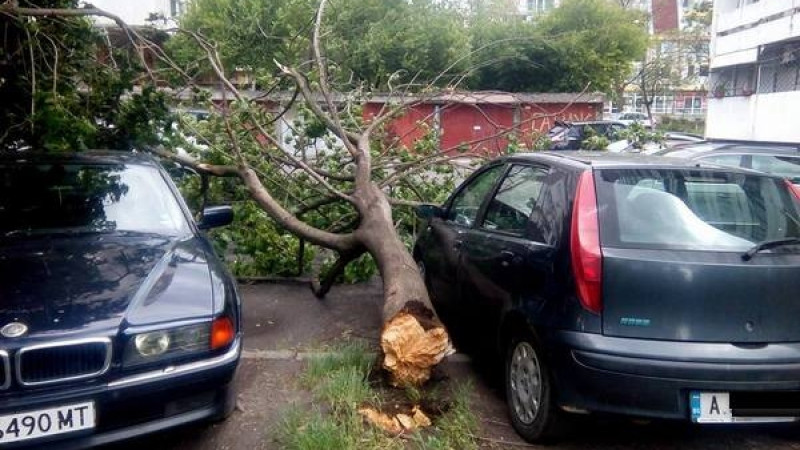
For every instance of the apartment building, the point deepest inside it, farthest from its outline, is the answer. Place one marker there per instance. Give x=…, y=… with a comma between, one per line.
x=755, y=71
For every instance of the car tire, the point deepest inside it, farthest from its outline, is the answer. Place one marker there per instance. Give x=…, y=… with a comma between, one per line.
x=529, y=391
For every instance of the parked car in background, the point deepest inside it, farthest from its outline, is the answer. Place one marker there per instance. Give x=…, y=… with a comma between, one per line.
x=782, y=160
x=117, y=319
x=673, y=139
x=570, y=135
x=634, y=117
x=627, y=284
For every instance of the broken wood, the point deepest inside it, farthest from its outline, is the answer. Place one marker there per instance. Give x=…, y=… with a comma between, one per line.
x=398, y=423
x=410, y=350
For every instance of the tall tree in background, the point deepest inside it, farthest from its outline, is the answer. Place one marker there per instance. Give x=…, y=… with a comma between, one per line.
x=597, y=40
x=369, y=41
x=580, y=43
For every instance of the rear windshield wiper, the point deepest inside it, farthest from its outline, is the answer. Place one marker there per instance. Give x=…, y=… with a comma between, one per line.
x=765, y=245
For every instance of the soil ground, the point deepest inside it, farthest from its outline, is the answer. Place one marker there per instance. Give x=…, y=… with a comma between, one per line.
x=282, y=322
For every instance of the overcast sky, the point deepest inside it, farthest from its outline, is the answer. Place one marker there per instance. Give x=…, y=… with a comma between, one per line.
x=133, y=12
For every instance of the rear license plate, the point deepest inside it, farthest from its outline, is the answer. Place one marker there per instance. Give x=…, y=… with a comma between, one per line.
x=46, y=422
x=717, y=407
x=711, y=407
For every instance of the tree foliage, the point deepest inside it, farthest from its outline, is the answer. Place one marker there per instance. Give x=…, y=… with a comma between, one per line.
x=367, y=41
x=597, y=39
x=374, y=43
x=64, y=88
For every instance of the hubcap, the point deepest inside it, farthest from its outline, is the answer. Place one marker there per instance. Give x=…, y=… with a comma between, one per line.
x=525, y=382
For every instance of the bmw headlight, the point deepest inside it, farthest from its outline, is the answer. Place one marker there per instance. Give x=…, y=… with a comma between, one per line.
x=152, y=344
x=173, y=343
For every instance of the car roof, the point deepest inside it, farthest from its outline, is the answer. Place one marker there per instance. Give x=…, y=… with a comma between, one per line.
x=103, y=157
x=584, y=159
x=695, y=150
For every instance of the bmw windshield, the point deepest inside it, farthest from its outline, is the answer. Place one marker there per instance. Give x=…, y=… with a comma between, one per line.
x=40, y=199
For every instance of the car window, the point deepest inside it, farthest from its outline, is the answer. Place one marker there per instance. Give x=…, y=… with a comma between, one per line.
x=693, y=210
x=575, y=132
x=556, y=130
x=723, y=160
x=80, y=198
x=515, y=199
x=465, y=206
x=785, y=166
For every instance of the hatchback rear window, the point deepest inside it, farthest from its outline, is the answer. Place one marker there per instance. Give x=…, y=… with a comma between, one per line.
x=556, y=130
x=693, y=209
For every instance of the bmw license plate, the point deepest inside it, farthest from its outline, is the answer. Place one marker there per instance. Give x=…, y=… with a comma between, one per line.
x=46, y=422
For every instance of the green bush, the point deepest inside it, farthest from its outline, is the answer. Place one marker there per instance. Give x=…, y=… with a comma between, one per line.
x=682, y=125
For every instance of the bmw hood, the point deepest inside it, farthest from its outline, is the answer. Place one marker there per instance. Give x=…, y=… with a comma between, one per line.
x=97, y=282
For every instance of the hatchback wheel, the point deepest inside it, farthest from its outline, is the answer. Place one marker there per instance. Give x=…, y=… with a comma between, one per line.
x=528, y=392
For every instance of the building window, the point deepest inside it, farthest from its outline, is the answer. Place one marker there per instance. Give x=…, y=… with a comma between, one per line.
x=734, y=81
x=535, y=7
x=177, y=7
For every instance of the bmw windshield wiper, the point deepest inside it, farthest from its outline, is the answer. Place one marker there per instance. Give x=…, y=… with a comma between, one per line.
x=765, y=245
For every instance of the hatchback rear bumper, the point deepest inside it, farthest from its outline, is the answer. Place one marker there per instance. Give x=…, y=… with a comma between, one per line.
x=654, y=378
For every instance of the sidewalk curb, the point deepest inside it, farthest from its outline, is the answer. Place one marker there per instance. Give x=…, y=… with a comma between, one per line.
x=292, y=355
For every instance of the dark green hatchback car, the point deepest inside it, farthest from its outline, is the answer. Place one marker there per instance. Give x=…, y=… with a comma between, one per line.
x=646, y=286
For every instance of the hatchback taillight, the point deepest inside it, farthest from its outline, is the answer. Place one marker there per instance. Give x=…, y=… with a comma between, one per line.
x=794, y=188
x=587, y=260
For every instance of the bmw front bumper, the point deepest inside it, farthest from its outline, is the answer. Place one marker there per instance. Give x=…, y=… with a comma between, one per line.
x=139, y=404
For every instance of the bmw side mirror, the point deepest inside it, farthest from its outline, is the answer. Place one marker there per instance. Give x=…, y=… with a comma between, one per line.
x=215, y=216
x=429, y=211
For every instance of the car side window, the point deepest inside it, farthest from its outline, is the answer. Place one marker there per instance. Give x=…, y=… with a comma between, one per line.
x=514, y=201
x=465, y=206
x=724, y=160
x=785, y=166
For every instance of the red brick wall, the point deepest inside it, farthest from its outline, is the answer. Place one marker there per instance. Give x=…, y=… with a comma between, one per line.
x=481, y=128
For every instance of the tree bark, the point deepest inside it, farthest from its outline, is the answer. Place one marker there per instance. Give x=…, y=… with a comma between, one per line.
x=413, y=339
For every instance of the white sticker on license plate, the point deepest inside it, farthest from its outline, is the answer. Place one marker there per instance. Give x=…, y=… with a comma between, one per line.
x=711, y=407
x=46, y=422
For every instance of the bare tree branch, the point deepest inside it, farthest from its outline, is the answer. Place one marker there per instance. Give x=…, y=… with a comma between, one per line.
x=210, y=169
x=320, y=287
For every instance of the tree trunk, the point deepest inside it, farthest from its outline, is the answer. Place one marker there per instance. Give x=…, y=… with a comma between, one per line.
x=413, y=339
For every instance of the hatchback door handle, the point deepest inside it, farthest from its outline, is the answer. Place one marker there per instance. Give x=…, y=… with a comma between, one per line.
x=508, y=258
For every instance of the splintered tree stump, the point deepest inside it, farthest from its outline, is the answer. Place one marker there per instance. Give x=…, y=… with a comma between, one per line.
x=413, y=342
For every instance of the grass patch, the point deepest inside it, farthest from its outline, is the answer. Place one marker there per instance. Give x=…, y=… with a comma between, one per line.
x=457, y=428
x=340, y=383
x=354, y=355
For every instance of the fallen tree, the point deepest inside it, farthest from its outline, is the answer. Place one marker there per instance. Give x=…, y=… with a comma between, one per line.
x=360, y=176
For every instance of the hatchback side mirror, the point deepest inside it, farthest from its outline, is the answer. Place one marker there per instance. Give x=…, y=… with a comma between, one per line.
x=215, y=216
x=429, y=211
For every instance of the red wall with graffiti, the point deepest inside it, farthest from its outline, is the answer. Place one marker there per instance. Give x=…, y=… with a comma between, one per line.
x=481, y=127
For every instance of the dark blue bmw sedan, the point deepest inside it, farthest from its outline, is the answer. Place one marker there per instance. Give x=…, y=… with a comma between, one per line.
x=116, y=317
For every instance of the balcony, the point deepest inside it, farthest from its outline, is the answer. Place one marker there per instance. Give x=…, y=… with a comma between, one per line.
x=744, y=29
